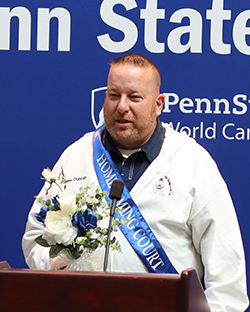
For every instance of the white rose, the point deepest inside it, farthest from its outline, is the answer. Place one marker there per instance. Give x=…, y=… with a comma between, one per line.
x=59, y=228
x=48, y=175
x=67, y=202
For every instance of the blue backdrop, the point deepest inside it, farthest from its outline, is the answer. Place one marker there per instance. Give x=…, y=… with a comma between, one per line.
x=54, y=60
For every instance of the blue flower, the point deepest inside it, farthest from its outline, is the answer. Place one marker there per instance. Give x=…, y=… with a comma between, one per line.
x=42, y=214
x=56, y=203
x=84, y=221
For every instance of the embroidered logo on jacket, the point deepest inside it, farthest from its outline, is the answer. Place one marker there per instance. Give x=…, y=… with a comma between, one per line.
x=163, y=185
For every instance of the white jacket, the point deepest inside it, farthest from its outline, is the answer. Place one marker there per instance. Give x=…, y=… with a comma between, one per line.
x=185, y=201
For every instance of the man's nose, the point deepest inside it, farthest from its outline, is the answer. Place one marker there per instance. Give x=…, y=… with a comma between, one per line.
x=123, y=105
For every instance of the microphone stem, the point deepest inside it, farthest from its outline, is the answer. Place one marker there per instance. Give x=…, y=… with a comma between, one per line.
x=112, y=212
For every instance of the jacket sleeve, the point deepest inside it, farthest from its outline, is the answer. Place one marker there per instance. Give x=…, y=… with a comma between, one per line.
x=217, y=238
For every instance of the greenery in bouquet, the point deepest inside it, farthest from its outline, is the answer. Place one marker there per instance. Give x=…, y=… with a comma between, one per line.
x=71, y=220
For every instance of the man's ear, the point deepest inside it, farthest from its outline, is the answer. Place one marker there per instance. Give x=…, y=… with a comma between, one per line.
x=159, y=103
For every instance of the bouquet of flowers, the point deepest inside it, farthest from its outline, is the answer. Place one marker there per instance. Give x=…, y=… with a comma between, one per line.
x=71, y=219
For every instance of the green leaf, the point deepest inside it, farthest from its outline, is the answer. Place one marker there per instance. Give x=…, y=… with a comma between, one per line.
x=40, y=199
x=41, y=241
x=75, y=254
x=55, y=249
x=98, y=229
x=92, y=245
x=48, y=202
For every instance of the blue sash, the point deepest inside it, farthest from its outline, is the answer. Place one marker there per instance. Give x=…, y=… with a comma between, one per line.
x=136, y=230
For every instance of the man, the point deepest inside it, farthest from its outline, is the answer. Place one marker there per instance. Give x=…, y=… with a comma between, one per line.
x=181, y=213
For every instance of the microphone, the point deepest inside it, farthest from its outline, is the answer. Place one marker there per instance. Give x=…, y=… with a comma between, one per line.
x=115, y=194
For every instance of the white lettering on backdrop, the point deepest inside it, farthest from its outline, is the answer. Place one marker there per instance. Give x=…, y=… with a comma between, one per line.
x=44, y=16
x=152, y=14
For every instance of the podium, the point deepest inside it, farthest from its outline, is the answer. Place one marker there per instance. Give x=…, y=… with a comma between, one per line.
x=26, y=290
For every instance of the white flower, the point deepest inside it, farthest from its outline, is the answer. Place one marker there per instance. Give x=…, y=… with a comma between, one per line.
x=81, y=240
x=59, y=228
x=67, y=202
x=49, y=175
x=91, y=200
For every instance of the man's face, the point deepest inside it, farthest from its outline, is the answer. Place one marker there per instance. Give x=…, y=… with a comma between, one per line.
x=132, y=105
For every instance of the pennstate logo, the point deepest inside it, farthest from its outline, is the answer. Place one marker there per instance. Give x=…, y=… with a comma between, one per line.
x=97, y=100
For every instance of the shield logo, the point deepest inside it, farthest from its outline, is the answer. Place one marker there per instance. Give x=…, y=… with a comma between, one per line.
x=97, y=99
x=160, y=184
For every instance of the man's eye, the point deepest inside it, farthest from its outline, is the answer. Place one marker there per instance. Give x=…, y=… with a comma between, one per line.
x=113, y=95
x=135, y=98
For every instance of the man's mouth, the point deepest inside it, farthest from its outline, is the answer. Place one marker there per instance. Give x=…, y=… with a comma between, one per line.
x=122, y=121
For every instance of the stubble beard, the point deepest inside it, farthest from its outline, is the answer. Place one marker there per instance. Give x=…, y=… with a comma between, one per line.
x=123, y=135
x=127, y=136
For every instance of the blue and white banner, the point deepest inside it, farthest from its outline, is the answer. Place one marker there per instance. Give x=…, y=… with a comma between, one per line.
x=135, y=229
x=54, y=60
